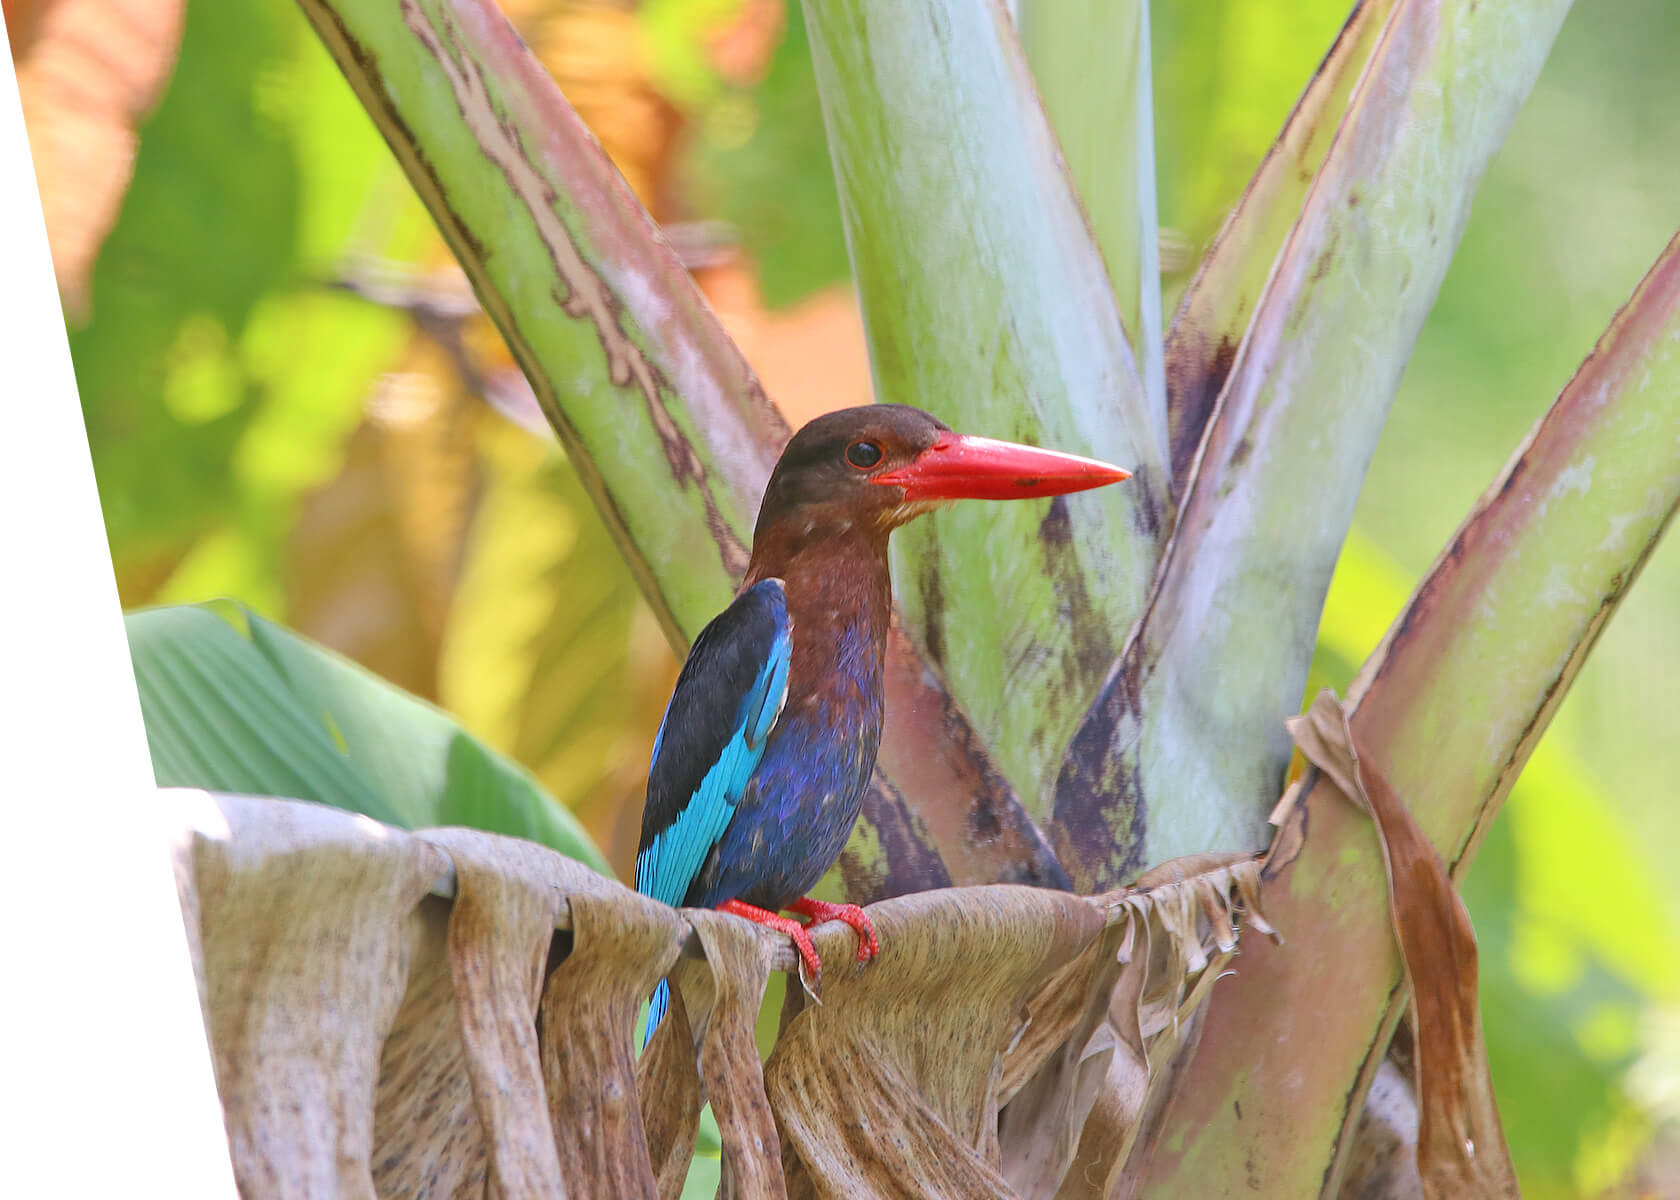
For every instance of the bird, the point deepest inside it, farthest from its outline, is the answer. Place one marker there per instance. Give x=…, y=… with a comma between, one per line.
x=767, y=744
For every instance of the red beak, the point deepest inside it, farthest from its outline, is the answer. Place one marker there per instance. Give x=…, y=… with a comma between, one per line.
x=959, y=467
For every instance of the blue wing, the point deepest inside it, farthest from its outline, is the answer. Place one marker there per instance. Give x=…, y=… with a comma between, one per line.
x=721, y=714
x=725, y=704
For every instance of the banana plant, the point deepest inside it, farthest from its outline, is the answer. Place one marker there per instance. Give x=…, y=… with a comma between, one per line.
x=1080, y=689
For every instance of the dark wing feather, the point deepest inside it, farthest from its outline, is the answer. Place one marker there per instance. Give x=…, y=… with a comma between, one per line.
x=724, y=706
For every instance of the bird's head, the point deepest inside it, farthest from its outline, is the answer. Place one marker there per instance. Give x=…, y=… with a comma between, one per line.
x=878, y=466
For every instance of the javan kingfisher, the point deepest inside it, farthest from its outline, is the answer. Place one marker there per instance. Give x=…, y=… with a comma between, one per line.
x=761, y=762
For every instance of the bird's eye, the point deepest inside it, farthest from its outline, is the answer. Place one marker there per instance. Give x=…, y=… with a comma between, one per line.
x=863, y=455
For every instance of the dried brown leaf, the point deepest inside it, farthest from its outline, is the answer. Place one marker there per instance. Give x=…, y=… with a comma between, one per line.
x=1169, y=1061
x=1055, y=1073
x=622, y=944
x=890, y=1087
x=668, y=1079
x=1111, y=1126
x=426, y=1131
x=723, y=1004
x=1092, y=1074
x=297, y=903
x=506, y=909
x=1461, y=1147
x=706, y=1050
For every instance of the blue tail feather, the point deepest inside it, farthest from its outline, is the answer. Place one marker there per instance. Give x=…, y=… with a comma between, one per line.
x=656, y=1009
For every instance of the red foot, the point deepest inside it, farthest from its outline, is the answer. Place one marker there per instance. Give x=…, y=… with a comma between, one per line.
x=801, y=940
x=820, y=910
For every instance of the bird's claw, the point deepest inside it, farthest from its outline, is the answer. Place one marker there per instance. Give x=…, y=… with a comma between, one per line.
x=820, y=910
x=810, y=966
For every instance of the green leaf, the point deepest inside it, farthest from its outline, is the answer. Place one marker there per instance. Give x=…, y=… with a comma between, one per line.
x=705, y=1174
x=234, y=703
x=1091, y=62
x=1185, y=749
x=157, y=363
x=1533, y=1051
x=986, y=302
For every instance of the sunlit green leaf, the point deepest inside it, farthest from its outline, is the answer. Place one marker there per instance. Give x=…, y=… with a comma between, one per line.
x=259, y=710
x=1534, y=1055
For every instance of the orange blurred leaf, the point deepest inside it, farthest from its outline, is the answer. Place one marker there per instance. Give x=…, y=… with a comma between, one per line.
x=89, y=71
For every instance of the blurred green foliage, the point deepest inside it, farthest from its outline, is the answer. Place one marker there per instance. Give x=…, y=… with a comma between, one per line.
x=211, y=346
x=762, y=165
x=222, y=385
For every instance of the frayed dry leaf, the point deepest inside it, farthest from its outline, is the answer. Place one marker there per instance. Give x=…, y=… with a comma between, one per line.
x=1321, y=733
x=1461, y=1147
x=1110, y=1128
x=1063, y=1063
x=426, y=1130
x=709, y=1032
x=307, y=921
x=89, y=71
x=668, y=1079
x=1093, y=1070
x=890, y=1086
